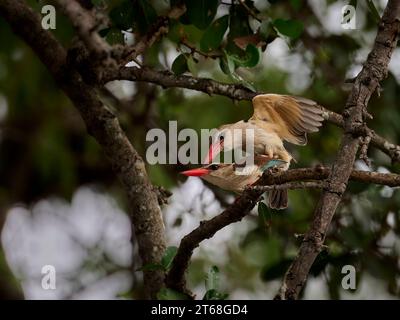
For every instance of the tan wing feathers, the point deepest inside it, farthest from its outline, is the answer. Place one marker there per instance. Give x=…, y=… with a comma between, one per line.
x=316, y=122
x=290, y=117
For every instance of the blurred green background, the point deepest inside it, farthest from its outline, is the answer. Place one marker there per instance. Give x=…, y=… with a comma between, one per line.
x=296, y=47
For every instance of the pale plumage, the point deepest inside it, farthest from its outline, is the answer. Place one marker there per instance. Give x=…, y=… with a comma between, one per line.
x=291, y=118
x=234, y=177
x=275, y=118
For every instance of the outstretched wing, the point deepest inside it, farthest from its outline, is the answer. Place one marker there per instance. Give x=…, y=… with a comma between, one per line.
x=291, y=118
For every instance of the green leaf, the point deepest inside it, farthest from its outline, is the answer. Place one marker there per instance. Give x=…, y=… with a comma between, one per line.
x=238, y=27
x=98, y=3
x=264, y=215
x=227, y=65
x=192, y=65
x=239, y=22
x=169, y=294
x=276, y=270
x=248, y=85
x=145, y=15
x=151, y=267
x=169, y=255
x=320, y=263
x=238, y=79
x=250, y=58
x=357, y=187
x=201, y=12
x=267, y=32
x=253, y=56
x=115, y=36
x=373, y=10
x=179, y=65
x=353, y=3
x=212, y=279
x=123, y=15
x=215, y=295
x=103, y=32
x=265, y=29
x=290, y=28
x=214, y=34
x=296, y=4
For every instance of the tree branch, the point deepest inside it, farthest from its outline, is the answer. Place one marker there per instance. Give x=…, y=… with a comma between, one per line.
x=291, y=186
x=367, y=81
x=245, y=203
x=103, y=125
x=167, y=79
x=85, y=24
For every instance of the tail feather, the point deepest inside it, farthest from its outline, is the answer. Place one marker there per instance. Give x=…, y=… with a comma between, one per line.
x=278, y=199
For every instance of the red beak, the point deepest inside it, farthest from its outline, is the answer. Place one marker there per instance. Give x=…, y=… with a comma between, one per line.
x=198, y=172
x=213, y=151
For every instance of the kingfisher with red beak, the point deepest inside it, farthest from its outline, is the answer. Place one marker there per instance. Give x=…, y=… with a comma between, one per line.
x=276, y=118
x=235, y=177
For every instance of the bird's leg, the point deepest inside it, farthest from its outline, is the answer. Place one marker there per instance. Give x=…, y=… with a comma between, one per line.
x=285, y=156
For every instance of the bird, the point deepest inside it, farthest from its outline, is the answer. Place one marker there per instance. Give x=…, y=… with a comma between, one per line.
x=233, y=176
x=276, y=118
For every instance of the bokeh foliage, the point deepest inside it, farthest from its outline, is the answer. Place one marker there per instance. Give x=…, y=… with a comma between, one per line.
x=45, y=150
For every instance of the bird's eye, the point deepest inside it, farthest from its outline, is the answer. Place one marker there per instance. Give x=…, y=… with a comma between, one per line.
x=214, y=167
x=221, y=138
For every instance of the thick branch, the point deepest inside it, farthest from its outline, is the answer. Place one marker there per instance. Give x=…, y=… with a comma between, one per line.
x=291, y=186
x=374, y=70
x=103, y=125
x=321, y=173
x=246, y=202
x=85, y=24
x=167, y=79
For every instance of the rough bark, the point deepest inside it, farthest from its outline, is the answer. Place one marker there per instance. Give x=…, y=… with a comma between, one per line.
x=103, y=125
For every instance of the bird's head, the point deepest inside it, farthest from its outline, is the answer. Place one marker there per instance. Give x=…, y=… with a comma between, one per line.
x=241, y=135
x=220, y=174
x=234, y=176
x=213, y=169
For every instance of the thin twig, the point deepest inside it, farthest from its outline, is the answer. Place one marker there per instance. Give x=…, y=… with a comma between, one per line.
x=249, y=11
x=193, y=50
